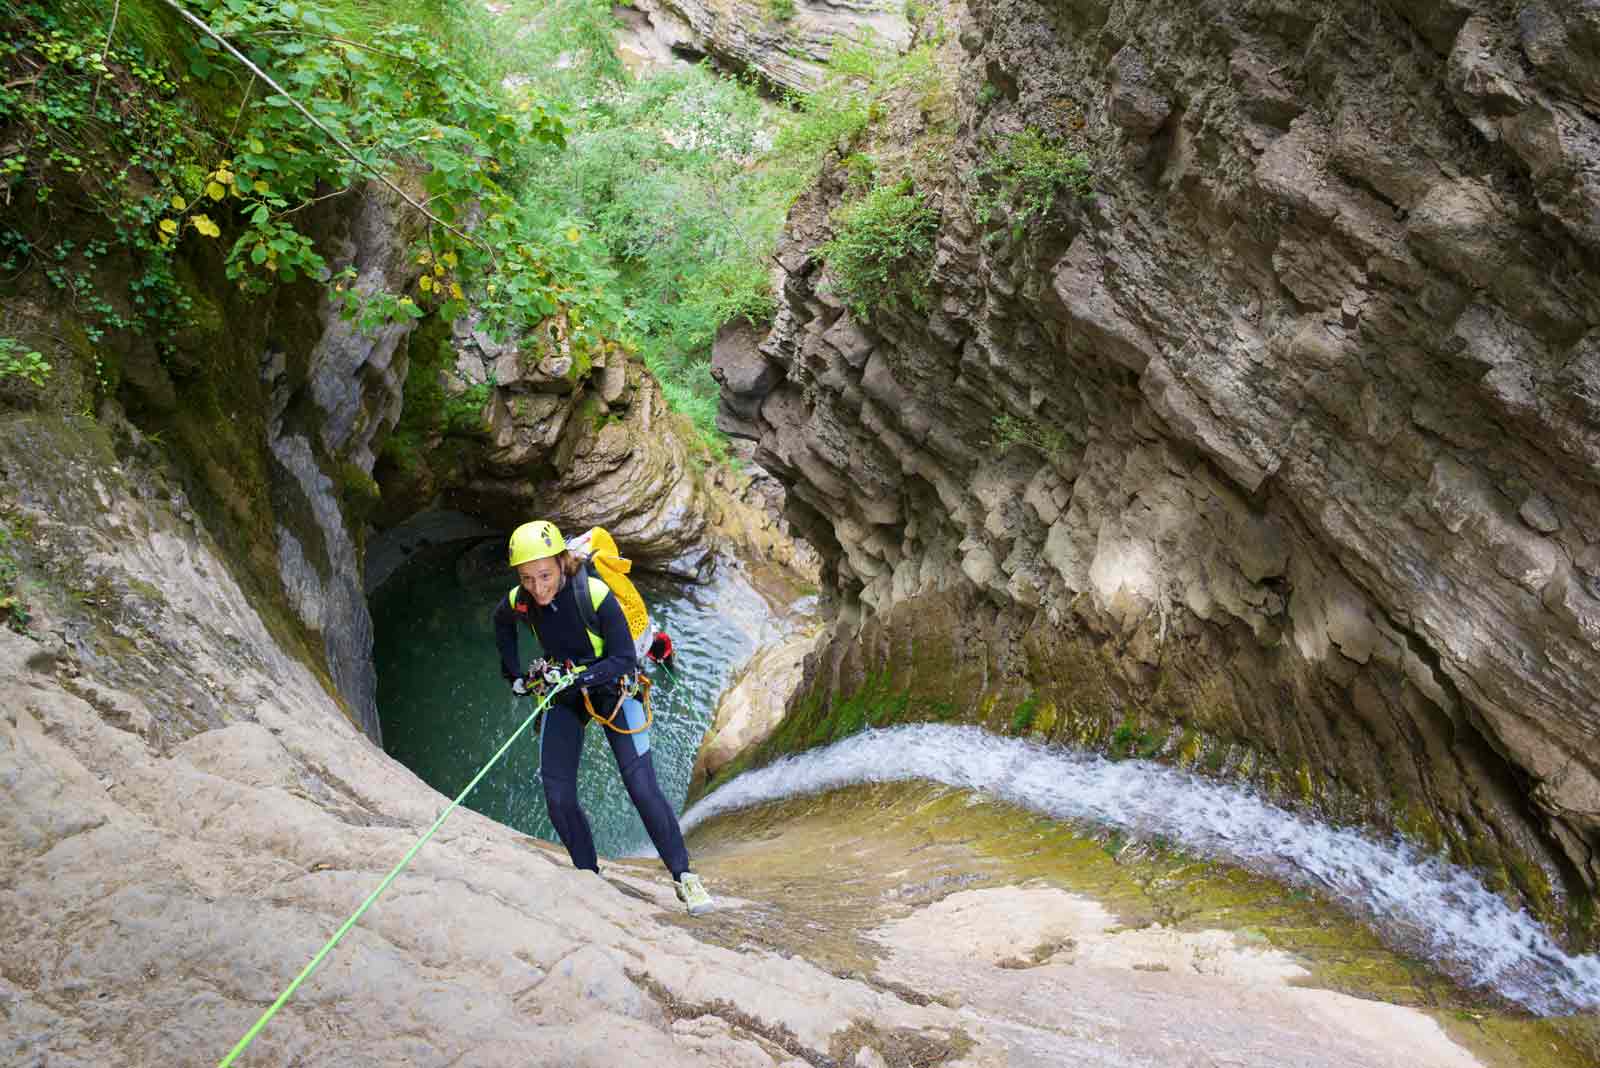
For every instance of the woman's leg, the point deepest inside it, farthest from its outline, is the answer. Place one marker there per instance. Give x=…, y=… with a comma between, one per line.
x=560, y=742
x=632, y=752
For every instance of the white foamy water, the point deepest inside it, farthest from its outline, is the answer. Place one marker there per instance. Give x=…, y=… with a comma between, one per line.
x=1433, y=909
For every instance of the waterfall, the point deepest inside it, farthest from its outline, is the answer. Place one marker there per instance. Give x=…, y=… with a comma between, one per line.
x=1432, y=908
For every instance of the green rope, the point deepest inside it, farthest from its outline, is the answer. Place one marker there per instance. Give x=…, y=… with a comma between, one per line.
x=327, y=947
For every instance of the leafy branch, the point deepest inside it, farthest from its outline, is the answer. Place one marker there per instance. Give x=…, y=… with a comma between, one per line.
x=349, y=152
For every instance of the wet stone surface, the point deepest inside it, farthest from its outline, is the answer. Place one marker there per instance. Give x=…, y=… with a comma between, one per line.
x=839, y=878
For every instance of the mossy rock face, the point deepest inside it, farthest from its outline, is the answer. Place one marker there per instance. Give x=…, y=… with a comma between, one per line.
x=927, y=841
x=208, y=316
x=209, y=395
x=203, y=409
x=950, y=658
x=83, y=371
x=359, y=493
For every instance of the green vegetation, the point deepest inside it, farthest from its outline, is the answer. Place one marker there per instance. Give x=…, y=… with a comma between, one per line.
x=17, y=363
x=1022, y=718
x=91, y=128
x=781, y=10
x=860, y=171
x=665, y=177
x=1010, y=431
x=13, y=609
x=874, y=705
x=547, y=185
x=1130, y=739
x=681, y=180
x=882, y=251
x=168, y=142
x=862, y=82
x=1025, y=177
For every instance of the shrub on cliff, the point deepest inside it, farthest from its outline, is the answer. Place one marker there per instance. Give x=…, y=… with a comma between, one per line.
x=1025, y=177
x=882, y=249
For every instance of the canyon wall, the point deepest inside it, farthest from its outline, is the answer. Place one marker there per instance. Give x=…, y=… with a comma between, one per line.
x=1275, y=455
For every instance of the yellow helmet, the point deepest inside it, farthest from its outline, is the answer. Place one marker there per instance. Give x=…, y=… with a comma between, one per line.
x=535, y=541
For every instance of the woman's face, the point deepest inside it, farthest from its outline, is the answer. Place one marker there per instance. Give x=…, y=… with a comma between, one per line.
x=541, y=578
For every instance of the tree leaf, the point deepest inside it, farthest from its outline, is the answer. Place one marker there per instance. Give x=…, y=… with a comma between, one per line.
x=204, y=224
x=178, y=203
x=215, y=190
x=168, y=227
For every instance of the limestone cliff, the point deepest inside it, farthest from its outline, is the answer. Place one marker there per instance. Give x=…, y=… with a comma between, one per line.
x=1277, y=455
x=323, y=425
x=185, y=815
x=785, y=44
x=506, y=429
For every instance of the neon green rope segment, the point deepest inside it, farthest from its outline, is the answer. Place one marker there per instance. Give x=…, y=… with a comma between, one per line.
x=305, y=973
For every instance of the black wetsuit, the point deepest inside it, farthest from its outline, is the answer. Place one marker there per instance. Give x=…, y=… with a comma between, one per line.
x=561, y=634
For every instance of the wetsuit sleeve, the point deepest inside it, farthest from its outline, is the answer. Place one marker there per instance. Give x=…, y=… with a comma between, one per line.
x=619, y=658
x=505, y=636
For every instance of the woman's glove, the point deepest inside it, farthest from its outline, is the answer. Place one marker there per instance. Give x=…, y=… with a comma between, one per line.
x=541, y=676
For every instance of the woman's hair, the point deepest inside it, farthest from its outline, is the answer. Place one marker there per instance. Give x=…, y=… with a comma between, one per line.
x=569, y=563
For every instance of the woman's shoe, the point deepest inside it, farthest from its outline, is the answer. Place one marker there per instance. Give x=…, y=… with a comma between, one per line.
x=692, y=892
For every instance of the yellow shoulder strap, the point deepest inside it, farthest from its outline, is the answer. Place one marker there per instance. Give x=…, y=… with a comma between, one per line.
x=597, y=593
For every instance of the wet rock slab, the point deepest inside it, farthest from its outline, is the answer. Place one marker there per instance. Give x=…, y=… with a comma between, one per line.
x=1075, y=946
x=171, y=862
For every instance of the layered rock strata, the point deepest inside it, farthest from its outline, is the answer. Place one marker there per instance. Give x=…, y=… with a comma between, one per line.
x=577, y=438
x=325, y=419
x=1284, y=442
x=786, y=45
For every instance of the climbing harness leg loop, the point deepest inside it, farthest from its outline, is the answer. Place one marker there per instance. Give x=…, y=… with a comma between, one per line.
x=640, y=683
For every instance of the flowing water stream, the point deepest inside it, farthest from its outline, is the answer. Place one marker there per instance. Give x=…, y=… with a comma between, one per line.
x=445, y=708
x=1425, y=906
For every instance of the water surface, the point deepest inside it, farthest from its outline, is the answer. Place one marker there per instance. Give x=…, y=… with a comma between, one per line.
x=445, y=708
x=1420, y=903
